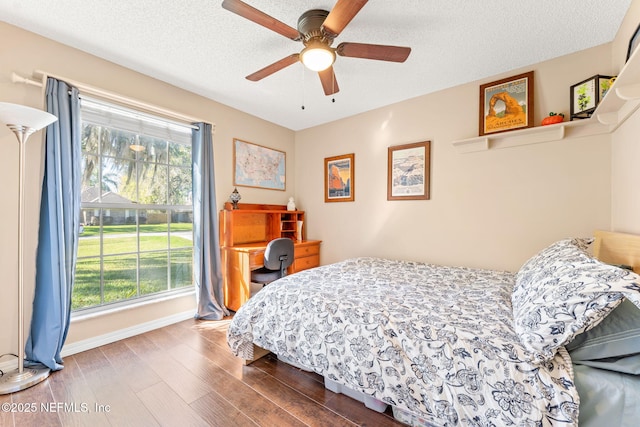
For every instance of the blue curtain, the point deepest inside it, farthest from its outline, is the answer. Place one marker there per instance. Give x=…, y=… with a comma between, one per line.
x=207, y=275
x=59, y=228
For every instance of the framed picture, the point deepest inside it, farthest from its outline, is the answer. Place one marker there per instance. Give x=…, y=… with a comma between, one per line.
x=339, y=178
x=586, y=95
x=633, y=42
x=258, y=166
x=506, y=104
x=408, y=170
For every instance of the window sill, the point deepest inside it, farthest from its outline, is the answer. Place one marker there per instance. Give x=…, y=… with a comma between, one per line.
x=93, y=313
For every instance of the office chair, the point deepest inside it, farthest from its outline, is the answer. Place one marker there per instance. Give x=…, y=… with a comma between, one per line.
x=277, y=257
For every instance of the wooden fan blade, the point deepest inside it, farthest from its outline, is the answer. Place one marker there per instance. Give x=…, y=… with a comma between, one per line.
x=252, y=14
x=276, y=66
x=374, y=51
x=341, y=14
x=328, y=80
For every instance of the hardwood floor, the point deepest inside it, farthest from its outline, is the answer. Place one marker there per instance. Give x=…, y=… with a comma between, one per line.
x=181, y=375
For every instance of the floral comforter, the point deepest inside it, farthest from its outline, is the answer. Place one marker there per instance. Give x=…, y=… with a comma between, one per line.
x=436, y=341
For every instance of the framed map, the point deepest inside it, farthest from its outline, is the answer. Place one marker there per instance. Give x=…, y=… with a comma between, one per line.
x=258, y=166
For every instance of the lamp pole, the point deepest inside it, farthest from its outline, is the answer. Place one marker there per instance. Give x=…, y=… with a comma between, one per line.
x=31, y=120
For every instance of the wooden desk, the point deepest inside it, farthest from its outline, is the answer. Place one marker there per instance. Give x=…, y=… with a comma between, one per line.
x=239, y=260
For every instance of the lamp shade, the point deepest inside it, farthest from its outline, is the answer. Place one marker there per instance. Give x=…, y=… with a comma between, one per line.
x=317, y=57
x=21, y=115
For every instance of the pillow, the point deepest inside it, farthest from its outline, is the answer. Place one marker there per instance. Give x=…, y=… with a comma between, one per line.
x=562, y=291
x=616, y=336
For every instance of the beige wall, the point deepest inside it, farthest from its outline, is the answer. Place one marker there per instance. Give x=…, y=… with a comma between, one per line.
x=625, y=158
x=625, y=177
x=28, y=52
x=489, y=209
x=627, y=27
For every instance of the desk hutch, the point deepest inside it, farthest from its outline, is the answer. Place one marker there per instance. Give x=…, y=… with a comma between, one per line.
x=244, y=234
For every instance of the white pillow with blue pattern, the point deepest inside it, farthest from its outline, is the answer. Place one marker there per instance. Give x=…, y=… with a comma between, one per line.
x=562, y=291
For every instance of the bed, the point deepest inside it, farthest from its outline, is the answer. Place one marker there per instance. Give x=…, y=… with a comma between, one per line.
x=449, y=346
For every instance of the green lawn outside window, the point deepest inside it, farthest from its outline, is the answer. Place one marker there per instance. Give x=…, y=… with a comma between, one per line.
x=120, y=261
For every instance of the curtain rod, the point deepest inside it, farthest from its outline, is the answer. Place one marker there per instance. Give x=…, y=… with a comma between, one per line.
x=90, y=90
x=15, y=78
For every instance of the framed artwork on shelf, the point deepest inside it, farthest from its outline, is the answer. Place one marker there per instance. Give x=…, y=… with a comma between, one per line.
x=506, y=104
x=634, y=41
x=586, y=95
x=339, y=178
x=258, y=166
x=408, y=171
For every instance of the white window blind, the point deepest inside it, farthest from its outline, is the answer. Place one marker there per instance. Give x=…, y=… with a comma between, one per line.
x=102, y=113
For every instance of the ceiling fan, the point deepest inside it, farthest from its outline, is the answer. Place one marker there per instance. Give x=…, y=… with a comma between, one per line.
x=317, y=29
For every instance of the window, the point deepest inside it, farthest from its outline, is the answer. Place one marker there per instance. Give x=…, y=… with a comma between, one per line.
x=136, y=237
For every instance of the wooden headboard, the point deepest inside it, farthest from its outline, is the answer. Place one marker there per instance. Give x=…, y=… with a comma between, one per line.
x=617, y=248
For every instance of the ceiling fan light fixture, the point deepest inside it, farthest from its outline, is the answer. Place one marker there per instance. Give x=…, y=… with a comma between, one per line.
x=317, y=56
x=317, y=30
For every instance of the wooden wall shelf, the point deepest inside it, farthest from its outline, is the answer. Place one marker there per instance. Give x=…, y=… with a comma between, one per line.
x=252, y=223
x=616, y=107
x=535, y=135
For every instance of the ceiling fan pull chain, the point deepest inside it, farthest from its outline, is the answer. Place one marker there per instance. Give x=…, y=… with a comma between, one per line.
x=303, y=86
x=333, y=87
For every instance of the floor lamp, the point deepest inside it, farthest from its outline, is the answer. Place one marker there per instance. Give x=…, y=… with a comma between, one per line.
x=23, y=121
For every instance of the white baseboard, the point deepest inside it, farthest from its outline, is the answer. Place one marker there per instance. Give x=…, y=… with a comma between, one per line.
x=12, y=362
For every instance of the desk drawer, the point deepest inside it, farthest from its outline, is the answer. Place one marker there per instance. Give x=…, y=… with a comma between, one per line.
x=256, y=259
x=301, y=251
x=303, y=263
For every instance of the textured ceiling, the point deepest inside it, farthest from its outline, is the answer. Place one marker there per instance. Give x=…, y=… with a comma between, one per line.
x=198, y=46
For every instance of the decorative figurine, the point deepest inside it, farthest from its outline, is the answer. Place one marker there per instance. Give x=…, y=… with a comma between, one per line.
x=553, y=118
x=235, y=198
x=291, y=206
